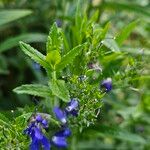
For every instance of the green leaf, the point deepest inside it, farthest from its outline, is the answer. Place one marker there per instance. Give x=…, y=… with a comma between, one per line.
x=111, y=57
x=104, y=31
x=69, y=57
x=95, y=16
x=23, y=118
x=3, y=65
x=99, y=34
x=54, y=40
x=123, y=35
x=116, y=132
x=3, y=118
x=136, y=50
x=78, y=15
x=34, y=89
x=92, y=143
x=34, y=54
x=60, y=90
x=111, y=44
x=28, y=37
x=142, y=78
x=53, y=58
x=128, y=7
x=11, y=15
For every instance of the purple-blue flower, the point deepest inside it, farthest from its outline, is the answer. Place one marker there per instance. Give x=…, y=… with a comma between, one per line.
x=59, y=139
x=34, y=130
x=107, y=84
x=72, y=107
x=66, y=132
x=39, y=118
x=44, y=123
x=60, y=115
x=59, y=142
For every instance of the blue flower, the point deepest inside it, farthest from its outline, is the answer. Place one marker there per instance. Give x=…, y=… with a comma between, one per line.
x=34, y=130
x=72, y=107
x=44, y=123
x=60, y=115
x=107, y=84
x=63, y=133
x=59, y=139
x=39, y=118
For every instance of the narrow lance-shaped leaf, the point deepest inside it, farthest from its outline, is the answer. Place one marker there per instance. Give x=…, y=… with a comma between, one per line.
x=69, y=57
x=99, y=34
x=34, y=54
x=22, y=119
x=128, y=7
x=136, y=50
x=95, y=16
x=29, y=37
x=106, y=131
x=78, y=16
x=60, y=90
x=123, y=35
x=111, y=44
x=53, y=58
x=104, y=31
x=7, y=16
x=3, y=120
x=54, y=40
x=34, y=89
x=3, y=65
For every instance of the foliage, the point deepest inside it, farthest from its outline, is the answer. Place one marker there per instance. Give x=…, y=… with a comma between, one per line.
x=89, y=42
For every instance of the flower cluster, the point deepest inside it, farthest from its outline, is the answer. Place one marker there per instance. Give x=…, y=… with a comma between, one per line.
x=34, y=130
x=59, y=139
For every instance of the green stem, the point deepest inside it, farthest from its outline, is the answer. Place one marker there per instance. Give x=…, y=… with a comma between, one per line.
x=73, y=143
x=48, y=74
x=54, y=75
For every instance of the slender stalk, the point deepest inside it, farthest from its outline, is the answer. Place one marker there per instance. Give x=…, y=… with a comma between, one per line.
x=54, y=75
x=73, y=143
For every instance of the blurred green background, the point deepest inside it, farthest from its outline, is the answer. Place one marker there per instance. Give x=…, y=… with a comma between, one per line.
x=126, y=107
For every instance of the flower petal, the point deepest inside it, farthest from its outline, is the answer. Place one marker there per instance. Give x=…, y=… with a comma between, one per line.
x=35, y=145
x=46, y=143
x=107, y=84
x=45, y=123
x=39, y=118
x=60, y=115
x=59, y=141
x=63, y=133
x=74, y=113
x=29, y=129
x=73, y=104
x=38, y=134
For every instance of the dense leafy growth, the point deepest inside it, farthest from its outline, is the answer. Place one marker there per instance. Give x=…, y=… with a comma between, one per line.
x=85, y=85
